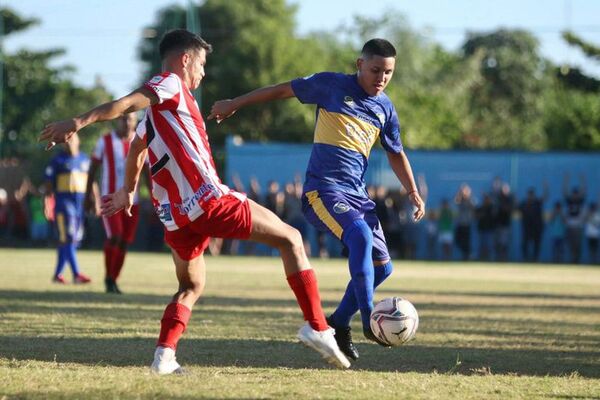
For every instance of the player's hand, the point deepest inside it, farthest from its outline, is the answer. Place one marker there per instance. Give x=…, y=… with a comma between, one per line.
x=58, y=132
x=221, y=110
x=416, y=200
x=114, y=202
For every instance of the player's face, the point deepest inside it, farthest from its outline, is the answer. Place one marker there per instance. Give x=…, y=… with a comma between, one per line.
x=374, y=73
x=195, y=67
x=126, y=124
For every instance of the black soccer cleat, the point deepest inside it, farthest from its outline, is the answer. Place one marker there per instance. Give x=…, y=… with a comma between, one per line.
x=372, y=337
x=111, y=286
x=343, y=338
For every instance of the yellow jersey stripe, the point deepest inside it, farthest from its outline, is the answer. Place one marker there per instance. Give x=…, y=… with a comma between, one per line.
x=71, y=182
x=345, y=131
x=319, y=208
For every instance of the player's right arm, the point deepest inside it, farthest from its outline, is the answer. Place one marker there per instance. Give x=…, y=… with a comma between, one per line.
x=223, y=109
x=61, y=131
x=123, y=198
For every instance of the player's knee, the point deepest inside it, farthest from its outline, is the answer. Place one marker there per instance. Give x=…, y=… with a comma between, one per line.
x=358, y=235
x=193, y=290
x=292, y=239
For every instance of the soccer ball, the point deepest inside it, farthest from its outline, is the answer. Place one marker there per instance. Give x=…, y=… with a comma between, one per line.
x=394, y=321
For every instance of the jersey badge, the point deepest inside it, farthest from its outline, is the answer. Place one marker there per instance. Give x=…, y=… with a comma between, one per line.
x=349, y=101
x=340, y=208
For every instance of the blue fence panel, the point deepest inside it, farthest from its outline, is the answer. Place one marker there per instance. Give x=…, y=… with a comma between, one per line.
x=444, y=172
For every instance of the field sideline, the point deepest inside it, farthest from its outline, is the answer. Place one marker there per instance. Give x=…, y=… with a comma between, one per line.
x=487, y=331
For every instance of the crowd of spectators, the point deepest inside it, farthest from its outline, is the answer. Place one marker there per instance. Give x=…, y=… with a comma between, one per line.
x=461, y=226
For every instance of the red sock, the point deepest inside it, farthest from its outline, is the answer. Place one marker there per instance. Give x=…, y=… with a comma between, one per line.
x=172, y=324
x=118, y=261
x=304, y=285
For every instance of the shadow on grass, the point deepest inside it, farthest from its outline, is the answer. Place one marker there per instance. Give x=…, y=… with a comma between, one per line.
x=276, y=354
x=526, y=295
x=131, y=351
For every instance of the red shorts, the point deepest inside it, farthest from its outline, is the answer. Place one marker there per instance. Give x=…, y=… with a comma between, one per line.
x=229, y=219
x=120, y=225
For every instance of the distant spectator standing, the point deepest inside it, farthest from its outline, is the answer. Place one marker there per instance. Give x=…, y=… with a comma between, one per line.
x=556, y=228
x=446, y=229
x=485, y=227
x=3, y=213
x=464, y=220
x=574, y=200
x=592, y=232
x=504, y=206
x=532, y=223
x=38, y=223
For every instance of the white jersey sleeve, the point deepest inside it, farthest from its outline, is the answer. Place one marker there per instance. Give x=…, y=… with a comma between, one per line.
x=167, y=89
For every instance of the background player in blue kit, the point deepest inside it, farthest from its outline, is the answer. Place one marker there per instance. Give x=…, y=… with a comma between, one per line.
x=352, y=112
x=66, y=177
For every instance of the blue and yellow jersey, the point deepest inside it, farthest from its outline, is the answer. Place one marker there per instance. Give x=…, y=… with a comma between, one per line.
x=349, y=121
x=68, y=175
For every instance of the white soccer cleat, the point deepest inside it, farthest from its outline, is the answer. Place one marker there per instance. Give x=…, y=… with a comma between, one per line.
x=324, y=343
x=165, y=362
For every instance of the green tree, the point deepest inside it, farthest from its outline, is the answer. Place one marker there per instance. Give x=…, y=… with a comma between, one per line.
x=254, y=45
x=572, y=119
x=572, y=111
x=35, y=93
x=506, y=104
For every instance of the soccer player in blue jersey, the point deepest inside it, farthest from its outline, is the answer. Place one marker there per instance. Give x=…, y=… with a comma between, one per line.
x=66, y=177
x=352, y=113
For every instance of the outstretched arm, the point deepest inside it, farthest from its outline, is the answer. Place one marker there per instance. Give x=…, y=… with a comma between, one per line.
x=61, y=131
x=223, y=109
x=123, y=198
x=401, y=167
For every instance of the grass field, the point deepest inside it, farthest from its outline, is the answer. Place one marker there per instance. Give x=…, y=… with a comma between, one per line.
x=487, y=331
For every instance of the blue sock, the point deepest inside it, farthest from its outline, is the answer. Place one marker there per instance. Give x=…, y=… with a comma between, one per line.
x=62, y=258
x=73, y=258
x=358, y=238
x=348, y=306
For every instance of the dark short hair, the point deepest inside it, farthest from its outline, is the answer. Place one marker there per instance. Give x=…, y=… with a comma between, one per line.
x=181, y=40
x=378, y=47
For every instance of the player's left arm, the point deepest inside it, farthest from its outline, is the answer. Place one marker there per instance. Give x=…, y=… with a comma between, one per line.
x=122, y=199
x=401, y=167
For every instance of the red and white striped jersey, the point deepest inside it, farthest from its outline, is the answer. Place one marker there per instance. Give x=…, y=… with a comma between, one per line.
x=184, y=179
x=112, y=151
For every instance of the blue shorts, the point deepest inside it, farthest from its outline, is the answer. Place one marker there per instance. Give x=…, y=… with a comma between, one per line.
x=332, y=212
x=69, y=222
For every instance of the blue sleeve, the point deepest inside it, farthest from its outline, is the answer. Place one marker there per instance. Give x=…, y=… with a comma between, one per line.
x=313, y=89
x=390, y=136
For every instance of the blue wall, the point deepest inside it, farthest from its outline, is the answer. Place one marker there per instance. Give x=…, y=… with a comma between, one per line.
x=444, y=172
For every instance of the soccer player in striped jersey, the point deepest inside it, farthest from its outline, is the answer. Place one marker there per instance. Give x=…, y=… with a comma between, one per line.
x=110, y=154
x=190, y=199
x=66, y=176
x=352, y=113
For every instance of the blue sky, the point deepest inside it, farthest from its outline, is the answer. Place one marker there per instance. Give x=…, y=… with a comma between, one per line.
x=101, y=36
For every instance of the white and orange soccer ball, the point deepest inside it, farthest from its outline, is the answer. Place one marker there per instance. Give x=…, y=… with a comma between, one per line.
x=394, y=321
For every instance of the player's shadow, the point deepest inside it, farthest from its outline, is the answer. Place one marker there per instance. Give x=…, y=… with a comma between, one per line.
x=129, y=350
x=254, y=353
